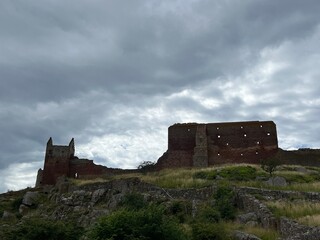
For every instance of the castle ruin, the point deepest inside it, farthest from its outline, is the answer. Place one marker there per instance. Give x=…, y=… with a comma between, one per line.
x=189, y=145
x=203, y=145
x=61, y=161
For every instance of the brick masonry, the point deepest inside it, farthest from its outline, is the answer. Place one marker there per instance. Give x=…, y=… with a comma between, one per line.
x=202, y=145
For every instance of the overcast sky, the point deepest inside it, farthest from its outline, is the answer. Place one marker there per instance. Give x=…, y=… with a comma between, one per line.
x=116, y=74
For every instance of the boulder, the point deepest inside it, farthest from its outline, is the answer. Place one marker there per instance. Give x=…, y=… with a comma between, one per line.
x=247, y=217
x=97, y=194
x=238, y=235
x=23, y=209
x=31, y=199
x=8, y=216
x=277, y=181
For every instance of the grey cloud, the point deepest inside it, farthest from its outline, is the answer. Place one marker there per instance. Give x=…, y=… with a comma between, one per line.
x=116, y=69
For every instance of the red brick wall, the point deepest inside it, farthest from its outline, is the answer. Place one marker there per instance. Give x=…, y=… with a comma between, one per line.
x=235, y=142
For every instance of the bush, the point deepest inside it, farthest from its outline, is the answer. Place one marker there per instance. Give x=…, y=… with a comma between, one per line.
x=208, y=175
x=180, y=209
x=148, y=223
x=133, y=201
x=16, y=203
x=209, y=214
x=225, y=198
x=239, y=173
x=147, y=166
x=38, y=229
x=207, y=231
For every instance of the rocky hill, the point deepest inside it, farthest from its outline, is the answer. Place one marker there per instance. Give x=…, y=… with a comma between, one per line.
x=220, y=209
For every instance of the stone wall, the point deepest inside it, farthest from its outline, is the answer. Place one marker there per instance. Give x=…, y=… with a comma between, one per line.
x=202, y=145
x=289, y=229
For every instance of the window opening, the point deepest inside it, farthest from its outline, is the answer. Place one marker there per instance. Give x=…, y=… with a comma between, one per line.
x=268, y=134
x=245, y=135
x=219, y=136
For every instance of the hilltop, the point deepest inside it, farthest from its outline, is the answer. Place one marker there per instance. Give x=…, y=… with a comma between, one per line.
x=225, y=202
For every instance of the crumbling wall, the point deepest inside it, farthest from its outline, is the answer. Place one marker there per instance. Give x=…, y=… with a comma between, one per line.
x=202, y=145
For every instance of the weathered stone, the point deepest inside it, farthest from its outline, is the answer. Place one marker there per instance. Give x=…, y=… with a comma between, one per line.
x=244, y=218
x=8, y=216
x=277, y=181
x=23, y=209
x=238, y=235
x=31, y=198
x=62, y=184
x=97, y=194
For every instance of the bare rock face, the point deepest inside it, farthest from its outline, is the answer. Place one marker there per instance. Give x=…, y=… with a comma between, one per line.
x=8, y=216
x=248, y=219
x=23, y=209
x=244, y=236
x=31, y=199
x=277, y=181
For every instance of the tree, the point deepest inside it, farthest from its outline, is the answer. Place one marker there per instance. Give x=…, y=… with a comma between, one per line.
x=147, y=166
x=270, y=165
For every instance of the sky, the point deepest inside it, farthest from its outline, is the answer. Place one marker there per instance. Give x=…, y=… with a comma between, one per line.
x=116, y=74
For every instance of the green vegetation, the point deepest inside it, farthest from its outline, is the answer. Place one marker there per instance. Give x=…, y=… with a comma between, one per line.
x=225, y=202
x=148, y=223
x=207, y=231
x=36, y=229
x=133, y=201
x=300, y=210
x=142, y=217
x=270, y=165
x=146, y=166
x=233, y=173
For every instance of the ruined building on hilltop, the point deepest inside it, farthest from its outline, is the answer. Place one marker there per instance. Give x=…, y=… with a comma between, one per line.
x=61, y=161
x=189, y=145
x=203, y=145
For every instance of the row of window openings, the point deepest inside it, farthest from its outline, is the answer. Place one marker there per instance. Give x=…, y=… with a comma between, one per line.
x=219, y=128
x=240, y=154
x=240, y=127
x=245, y=135
x=258, y=143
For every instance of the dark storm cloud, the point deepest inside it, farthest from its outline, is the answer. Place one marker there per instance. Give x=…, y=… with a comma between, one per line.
x=114, y=74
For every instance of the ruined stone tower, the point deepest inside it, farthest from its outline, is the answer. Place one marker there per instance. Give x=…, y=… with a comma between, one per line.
x=57, y=161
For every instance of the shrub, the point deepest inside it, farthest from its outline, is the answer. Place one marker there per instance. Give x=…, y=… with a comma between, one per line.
x=180, y=209
x=208, y=175
x=16, y=203
x=148, y=223
x=209, y=214
x=133, y=201
x=225, y=198
x=239, y=173
x=38, y=229
x=147, y=166
x=207, y=231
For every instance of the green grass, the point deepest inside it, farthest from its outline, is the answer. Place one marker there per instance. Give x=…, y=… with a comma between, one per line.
x=300, y=210
x=238, y=174
x=263, y=233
